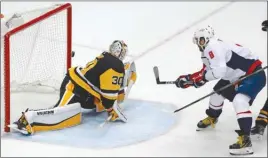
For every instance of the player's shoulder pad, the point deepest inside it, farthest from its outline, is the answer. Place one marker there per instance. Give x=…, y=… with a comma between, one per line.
x=213, y=43
x=113, y=62
x=213, y=48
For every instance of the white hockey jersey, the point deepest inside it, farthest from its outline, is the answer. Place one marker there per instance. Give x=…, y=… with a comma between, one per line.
x=227, y=61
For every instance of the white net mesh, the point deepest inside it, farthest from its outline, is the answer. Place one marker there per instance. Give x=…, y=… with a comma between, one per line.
x=38, y=59
x=38, y=53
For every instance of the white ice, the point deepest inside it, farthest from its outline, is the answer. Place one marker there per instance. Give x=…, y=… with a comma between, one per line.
x=142, y=25
x=90, y=133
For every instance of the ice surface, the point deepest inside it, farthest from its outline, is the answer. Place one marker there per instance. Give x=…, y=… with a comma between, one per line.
x=142, y=25
x=146, y=120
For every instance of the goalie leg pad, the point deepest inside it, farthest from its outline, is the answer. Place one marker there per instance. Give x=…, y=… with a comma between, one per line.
x=55, y=118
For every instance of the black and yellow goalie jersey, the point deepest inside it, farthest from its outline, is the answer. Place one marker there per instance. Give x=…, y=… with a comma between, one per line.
x=101, y=77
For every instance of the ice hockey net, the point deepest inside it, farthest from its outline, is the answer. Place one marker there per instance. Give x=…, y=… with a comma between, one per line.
x=35, y=58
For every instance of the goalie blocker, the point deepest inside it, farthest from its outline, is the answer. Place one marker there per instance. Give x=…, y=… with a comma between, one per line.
x=96, y=86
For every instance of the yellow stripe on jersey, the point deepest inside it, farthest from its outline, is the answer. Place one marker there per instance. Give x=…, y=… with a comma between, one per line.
x=264, y=112
x=86, y=85
x=262, y=119
x=111, y=80
x=68, y=94
x=72, y=121
x=77, y=79
x=109, y=95
x=99, y=106
x=89, y=66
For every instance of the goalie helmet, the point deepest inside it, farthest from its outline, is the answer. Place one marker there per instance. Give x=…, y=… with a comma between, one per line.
x=202, y=36
x=119, y=49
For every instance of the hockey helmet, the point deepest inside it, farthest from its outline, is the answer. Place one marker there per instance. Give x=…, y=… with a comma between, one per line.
x=119, y=49
x=202, y=36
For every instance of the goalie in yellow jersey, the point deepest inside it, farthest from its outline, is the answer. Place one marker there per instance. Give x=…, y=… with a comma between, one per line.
x=100, y=84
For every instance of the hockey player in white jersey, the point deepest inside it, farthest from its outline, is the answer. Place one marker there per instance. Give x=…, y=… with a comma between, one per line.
x=227, y=62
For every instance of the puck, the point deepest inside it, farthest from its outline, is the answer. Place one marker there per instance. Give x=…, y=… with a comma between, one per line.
x=73, y=53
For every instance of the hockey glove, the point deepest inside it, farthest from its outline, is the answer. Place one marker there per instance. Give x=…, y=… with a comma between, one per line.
x=184, y=81
x=196, y=79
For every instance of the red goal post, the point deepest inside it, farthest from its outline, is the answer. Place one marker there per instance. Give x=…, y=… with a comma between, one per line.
x=51, y=46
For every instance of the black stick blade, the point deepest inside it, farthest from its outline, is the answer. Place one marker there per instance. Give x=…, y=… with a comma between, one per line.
x=156, y=74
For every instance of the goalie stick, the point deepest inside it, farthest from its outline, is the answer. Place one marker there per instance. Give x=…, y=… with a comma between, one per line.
x=105, y=122
x=118, y=111
x=221, y=89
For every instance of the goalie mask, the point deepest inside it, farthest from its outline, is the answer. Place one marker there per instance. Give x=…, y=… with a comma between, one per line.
x=119, y=49
x=202, y=37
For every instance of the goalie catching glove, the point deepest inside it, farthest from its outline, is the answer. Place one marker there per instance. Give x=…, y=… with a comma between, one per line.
x=196, y=79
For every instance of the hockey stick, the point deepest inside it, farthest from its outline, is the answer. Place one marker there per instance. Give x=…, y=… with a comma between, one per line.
x=105, y=122
x=223, y=88
x=118, y=111
x=156, y=74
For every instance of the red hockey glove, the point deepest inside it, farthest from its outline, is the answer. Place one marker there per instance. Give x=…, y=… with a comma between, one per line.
x=183, y=81
x=196, y=79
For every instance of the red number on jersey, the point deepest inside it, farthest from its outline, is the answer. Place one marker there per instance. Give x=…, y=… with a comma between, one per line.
x=211, y=55
x=238, y=45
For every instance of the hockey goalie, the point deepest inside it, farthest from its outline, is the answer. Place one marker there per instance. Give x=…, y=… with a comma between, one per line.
x=100, y=85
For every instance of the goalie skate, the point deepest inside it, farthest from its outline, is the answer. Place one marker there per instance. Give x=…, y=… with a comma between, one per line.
x=22, y=125
x=15, y=128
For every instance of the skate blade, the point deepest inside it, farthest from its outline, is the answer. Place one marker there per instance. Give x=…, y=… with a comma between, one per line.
x=209, y=128
x=15, y=128
x=256, y=137
x=243, y=151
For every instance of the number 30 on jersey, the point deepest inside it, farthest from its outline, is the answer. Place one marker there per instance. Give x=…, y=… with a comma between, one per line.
x=117, y=80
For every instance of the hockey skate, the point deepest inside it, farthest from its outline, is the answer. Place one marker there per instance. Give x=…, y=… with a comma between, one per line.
x=22, y=125
x=207, y=122
x=243, y=146
x=257, y=132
